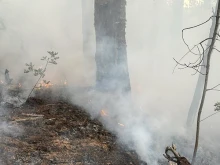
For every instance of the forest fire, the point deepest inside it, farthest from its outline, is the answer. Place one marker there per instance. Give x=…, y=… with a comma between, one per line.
x=44, y=84
x=98, y=88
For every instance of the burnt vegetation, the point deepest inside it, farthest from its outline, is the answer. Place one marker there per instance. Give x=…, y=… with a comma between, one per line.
x=48, y=129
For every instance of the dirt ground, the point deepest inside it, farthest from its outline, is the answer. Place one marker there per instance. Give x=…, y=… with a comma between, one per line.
x=43, y=132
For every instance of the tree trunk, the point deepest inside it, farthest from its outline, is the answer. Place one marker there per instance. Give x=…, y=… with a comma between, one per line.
x=87, y=27
x=201, y=80
x=176, y=25
x=111, y=55
x=214, y=31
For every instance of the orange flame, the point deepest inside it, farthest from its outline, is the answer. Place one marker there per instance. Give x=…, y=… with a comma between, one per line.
x=122, y=125
x=103, y=113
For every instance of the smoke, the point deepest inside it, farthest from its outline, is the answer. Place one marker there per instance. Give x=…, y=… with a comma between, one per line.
x=155, y=112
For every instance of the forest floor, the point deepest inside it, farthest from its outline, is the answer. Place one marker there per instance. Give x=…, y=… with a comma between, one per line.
x=44, y=132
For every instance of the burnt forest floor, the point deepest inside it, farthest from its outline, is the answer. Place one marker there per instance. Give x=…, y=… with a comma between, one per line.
x=43, y=132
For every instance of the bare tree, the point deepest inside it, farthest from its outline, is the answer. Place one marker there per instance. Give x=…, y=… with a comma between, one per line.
x=111, y=55
x=202, y=66
x=201, y=80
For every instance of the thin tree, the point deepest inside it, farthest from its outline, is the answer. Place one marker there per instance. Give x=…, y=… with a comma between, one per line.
x=202, y=66
x=111, y=54
x=201, y=80
x=40, y=72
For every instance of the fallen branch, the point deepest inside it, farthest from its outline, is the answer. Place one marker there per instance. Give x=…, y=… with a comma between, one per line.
x=32, y=115
x=27, y=119
x=176, y=158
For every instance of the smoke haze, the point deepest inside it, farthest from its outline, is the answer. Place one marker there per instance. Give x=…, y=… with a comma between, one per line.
x=161, y=98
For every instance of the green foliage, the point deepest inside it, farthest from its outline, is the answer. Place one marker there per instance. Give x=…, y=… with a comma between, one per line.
x=217, y=106
x=51, y=59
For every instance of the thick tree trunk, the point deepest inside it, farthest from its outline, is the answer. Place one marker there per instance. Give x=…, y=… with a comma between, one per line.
x=111, y=55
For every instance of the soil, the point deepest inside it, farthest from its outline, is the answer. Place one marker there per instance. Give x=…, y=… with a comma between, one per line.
x=46, y=132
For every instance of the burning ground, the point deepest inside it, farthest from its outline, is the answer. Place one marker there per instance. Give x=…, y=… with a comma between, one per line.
x=53, y=131
x=50, y=129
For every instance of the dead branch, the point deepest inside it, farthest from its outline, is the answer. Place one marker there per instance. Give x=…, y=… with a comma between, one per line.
x=194, y=27
x=26, y=119
x=32, y=115
x=214, y=31
x=209, y=116
x=176, y=158
x=198, y=62
x=216, y=50
x=214, y=88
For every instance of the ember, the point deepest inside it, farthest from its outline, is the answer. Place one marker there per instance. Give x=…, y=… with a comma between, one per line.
x=122, y=125
x=51, y=136
x=103, y=113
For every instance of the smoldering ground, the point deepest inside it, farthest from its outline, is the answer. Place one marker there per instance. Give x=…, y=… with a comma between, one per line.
x=160, y=99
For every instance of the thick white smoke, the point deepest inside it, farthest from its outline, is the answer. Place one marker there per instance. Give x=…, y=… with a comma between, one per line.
x=157, y=108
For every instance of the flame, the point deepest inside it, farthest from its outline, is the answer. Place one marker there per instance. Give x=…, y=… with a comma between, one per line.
x=2, y=82
x=48, y=85
x=103, y=113
x=44, y=85
x=122, y=125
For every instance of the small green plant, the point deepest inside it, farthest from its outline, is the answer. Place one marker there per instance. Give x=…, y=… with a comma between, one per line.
x=217, y=106
x=51, y=59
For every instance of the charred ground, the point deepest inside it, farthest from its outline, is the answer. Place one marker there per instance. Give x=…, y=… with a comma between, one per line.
x=50, y=130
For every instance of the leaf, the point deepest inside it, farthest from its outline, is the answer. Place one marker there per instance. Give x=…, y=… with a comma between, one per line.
x=52, y=53
x=44, y=58
x=217, y=106
x=46, y=82
x=26, y=71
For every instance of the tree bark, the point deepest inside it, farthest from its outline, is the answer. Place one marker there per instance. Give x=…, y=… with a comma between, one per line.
x=111, y=55
x=87, y=27
x=177, y=18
